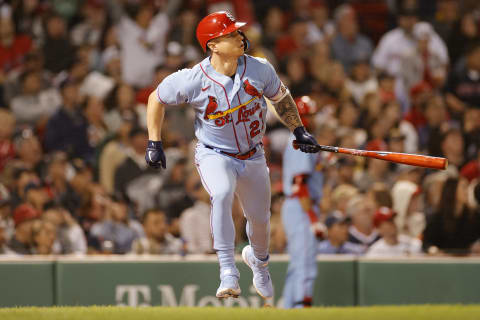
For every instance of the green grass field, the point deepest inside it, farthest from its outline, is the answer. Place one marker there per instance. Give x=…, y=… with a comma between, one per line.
x=434, y=312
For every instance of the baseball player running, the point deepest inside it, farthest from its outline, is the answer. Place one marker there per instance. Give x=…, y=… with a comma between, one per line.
x=227, y=91
x=302, y=185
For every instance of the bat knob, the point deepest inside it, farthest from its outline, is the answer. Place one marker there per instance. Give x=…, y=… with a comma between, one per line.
x=295, y=144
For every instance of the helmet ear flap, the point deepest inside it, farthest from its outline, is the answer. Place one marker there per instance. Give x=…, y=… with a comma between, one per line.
x=246, y=42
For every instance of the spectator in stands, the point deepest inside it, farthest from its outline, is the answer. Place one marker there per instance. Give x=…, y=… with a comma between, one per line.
x=29, y=151
x=430, y=134
x=6, y=218
x=34, y=106
x=24, y=217
x=337, y=236
x=67, y=128
x=361, y=232
x=13, y=47
x=7, y=125
x=117, y=229
x=43, y=238
x=134, y=180
x=157, y=240
x=464, y=34
x=295, y=41
x=272, y=27
x=410, y=219
x=376, y=171
x=396, y=44
x=454, y=227
x=121, y=105
x=361, y=80
x=463, y=87
x=94, y=114
x=320, y=28
x=452, y=145
x=70, y=236
x=21, y=178
x=195, y=221
x=174, y=199
x=143, y=33
x=36, y=196
x=391, y=243
x=57, y=49
x=348, y=45
x=3, y=239
x=89, y=31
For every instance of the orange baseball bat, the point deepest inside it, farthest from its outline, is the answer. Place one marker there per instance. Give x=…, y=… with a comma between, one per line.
x=397, y=157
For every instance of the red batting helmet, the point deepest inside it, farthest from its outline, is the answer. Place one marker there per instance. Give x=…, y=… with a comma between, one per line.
x=215, y=25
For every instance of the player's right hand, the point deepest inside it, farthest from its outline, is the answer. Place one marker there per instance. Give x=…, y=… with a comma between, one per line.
x=154, y=156
x=305, y=141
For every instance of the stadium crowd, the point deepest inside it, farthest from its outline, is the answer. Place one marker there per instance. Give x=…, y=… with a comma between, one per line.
x=389, y=75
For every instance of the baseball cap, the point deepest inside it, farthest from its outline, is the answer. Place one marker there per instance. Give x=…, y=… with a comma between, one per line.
x=383, y=214
x=336, y=217
x=24, y=212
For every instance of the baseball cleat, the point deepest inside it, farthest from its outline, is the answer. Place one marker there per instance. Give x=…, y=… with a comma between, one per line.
x=261, y=276
x=228, y=288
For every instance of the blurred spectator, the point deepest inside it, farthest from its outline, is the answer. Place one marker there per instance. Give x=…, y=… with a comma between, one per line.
x=143, y=36
x=90, y=30
x=300, y=82
x=116, y=232
x=463, y=85
x=67, y=128
x=376, y=171
x=57, y=184
x=464, y=34
x=195, y=222
x=13, y=47
x=70, y=236
x=391, y=244
x=7, y=125
x=34, y=106
x=430, y=134
x=157, y=240
x=406, y=203
x=57, y=49
x=134, y=179
x=337, y=236
x=361, y=232
x=452, y=145
x=396, y=44
x=446, y=17
x=28, y=20
x=3, y=239
x=320, y=28
x=43, y=237
x=174, y=199
x=24, y=216
x=94, y=114
x=361, y=80
x=35, y=195
x=454, y=227
x=121, y=106
x=6, y=219
x=21, y=178
x=421, y=63
x=29, y=151
x=348, y=45
x=273, y=27
x=295, y=41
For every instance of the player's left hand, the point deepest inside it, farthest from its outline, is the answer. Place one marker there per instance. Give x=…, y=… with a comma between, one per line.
x=306, y=142
x=155, y=157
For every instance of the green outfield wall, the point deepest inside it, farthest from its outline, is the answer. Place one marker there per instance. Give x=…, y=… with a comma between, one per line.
x=192, y=281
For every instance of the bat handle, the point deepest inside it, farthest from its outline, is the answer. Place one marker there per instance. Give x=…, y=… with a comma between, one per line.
x=296, y=146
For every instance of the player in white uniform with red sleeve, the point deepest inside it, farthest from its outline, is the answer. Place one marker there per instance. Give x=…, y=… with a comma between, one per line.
x=227, y=91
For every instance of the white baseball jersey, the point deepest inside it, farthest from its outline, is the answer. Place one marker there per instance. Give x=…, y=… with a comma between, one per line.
x=230, y=111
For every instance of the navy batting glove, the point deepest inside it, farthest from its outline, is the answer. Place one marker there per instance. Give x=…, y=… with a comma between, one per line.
x=155, y=157
x=306, y=142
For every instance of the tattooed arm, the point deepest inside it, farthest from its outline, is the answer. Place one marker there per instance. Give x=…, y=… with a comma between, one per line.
x=288, y=112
